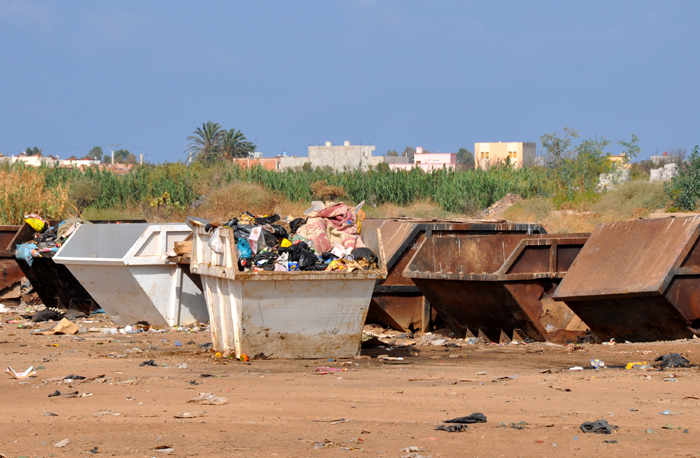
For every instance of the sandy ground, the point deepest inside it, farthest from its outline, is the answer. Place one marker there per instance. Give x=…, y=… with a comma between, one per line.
x=374, y=408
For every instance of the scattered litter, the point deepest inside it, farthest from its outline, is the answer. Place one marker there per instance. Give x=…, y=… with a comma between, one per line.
x=576, y=368
x=649, y=431
x=597, y=364
x=150, y=362
x=410, y=449
x=49, y=414
x=501, y=379
x=62, y=327
x=473, y=418
x=62, y=443
x=452, y=428
x=323, y=370
x=672, y=360
x=670, y=426
x=190, y=414
x=206, y=345
x=182, y=366
x=670, y=380
x=597, y=427
x=54, y=394
x=637, y=365
x=163, y=449
x=209, y=399
x=670, y=412
x=100, y=413
x=21, y=375
x=518, y=425
x=560, y=388
x=93, y=450
x=611, y=342
x=610, y=442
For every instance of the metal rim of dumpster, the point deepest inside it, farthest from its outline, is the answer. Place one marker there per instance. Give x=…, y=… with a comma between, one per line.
x=283, y=314
x=638, y=281
x=397, y=302
x=492, y=286
x=130, y=276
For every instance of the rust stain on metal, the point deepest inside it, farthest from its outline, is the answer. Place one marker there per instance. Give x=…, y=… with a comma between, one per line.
x=10, y=273
x=493, y=284
x=638, y=280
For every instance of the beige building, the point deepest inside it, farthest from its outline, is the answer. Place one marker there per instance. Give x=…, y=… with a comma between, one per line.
x=491, y=154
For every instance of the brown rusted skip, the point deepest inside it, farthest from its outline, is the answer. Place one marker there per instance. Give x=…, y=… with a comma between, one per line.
x=53, y=282
x=637, y=280
x=493, y=284
x=10, y=273
x=397, y=295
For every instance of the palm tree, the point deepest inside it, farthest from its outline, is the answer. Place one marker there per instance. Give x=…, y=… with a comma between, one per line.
x=234, y=144
x=205, y=142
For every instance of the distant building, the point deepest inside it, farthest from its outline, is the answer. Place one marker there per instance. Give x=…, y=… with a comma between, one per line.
x=337, y=157
x=491, y=154
x=428, y=161
x=74, y=162
x=31, y=161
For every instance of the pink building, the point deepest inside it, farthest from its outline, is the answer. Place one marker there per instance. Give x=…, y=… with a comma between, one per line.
x=429, y=161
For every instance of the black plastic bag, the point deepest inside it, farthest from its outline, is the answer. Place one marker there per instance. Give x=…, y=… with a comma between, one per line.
x=307, y=259
x=296, y=224
x=267, y=220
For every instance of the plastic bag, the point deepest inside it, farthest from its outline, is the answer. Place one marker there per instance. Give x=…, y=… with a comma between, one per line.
x=244, y=249
x=215, y=242
x=306, y=259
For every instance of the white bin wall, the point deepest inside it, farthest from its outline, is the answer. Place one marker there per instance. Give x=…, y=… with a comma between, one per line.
x=172, y=293
x=116, y=290
x=288, y=319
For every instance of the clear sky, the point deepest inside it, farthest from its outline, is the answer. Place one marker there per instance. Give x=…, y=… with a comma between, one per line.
x=441, y=75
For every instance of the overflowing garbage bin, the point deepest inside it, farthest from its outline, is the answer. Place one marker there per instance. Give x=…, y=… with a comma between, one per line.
x=282, y=314
x=125, y=268
x=493, y=286
x=396, y=301
x=10, y=273
x=638, y=280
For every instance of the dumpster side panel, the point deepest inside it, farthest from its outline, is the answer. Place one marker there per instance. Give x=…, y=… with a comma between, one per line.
x=176, y=298
x=221, y=296
x=639, y=319
x=118, y=293
x=486, y=306
x=304, y=319
x=627, y=258
x=10, y=273
x=684, y=292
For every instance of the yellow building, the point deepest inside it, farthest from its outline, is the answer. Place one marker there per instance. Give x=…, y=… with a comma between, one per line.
x=491, y=154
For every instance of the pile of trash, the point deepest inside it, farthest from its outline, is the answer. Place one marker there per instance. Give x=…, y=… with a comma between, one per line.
x=327, y=240
x=47, y=239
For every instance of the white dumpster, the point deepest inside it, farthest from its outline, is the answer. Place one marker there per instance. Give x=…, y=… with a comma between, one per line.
x=124, y=268
x=302, y=314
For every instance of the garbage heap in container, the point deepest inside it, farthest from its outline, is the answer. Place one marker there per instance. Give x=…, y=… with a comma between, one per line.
x=289, y=288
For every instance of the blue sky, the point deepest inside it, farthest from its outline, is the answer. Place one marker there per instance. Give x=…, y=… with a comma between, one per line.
x=441, y=75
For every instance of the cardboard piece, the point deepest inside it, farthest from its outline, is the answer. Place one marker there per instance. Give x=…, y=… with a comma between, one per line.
x=20, y=375
x=62, y=327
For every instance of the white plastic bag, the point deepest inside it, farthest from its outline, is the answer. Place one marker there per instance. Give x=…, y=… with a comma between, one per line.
x=215, y=242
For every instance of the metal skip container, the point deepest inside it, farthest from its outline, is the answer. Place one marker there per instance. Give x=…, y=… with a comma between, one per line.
x=638, y=280
x=397, y=302
x=495, y=286
x=124, y=268
x=10, y=273
x=300, y=314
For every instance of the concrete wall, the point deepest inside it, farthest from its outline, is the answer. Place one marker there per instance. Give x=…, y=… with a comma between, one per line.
x=341, y=157
x=338, y=157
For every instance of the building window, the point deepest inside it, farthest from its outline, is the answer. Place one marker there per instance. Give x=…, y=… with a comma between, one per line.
x=513, y=154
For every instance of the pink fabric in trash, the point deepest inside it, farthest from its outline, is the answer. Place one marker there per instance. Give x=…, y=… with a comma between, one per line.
x=332, y=224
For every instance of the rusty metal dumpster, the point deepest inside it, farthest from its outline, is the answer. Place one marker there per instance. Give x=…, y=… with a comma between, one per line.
x=10, y=273
x=299, y=314
x=396, y=301
x=54, y=283
x=638, y=280
x=492, y=286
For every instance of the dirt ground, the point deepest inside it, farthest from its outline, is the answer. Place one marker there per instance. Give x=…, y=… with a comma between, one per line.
x=374, y=408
